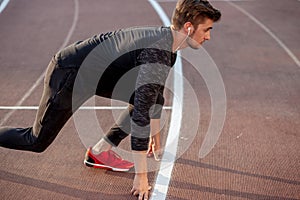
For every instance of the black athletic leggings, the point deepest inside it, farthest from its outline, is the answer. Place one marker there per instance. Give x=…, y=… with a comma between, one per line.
x=54, y=111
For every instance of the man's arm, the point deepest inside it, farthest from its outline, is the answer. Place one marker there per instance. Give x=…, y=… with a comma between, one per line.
x=145, y=98
x=151, y=78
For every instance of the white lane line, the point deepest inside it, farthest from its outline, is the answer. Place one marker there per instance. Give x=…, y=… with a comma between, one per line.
x=162, y=182
x=81, y=108
x=3, y=5
x=266, y=29
x=40, y=79
x=74, y=23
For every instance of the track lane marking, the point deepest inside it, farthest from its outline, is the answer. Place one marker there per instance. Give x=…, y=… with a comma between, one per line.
x=81, y=108
x=267, y=30
x=3, y=5
x=163, y=178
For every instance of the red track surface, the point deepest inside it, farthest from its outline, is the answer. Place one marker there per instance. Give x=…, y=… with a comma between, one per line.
x=257, y=155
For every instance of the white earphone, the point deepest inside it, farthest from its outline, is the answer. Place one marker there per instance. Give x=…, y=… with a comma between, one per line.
x=189, y=31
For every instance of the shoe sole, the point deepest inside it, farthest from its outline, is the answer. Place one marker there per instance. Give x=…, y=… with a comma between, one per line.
x=89, y=164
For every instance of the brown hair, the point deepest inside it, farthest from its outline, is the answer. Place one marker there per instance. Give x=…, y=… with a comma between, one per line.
x=194, y=11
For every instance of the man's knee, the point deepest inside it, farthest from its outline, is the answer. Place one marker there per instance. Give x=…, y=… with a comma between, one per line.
x=39, y=148
x=41, y=144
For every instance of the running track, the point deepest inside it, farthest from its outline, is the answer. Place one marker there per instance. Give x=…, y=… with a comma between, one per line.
x=256, y=48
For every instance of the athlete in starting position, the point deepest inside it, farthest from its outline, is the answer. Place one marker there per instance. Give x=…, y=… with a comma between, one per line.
x=94, y=67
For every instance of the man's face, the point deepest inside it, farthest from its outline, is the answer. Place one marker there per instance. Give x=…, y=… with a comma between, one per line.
x=200, y=35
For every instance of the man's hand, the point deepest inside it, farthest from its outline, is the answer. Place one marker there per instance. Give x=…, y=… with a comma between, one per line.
x=140, y=183
x=140, y=186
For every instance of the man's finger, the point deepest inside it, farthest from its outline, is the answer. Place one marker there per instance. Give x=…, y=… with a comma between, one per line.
x=143, y=196
x=134, y=192
x=146, y=195
x=140, y=197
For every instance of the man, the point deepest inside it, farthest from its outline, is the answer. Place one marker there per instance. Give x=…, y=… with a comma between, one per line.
x=95, y=66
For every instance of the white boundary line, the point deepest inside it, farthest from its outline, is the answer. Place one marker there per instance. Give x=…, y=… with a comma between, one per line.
x=81, y=108
x=259, y=23
x=161, y=186
x=40, y=79
x=3, y=5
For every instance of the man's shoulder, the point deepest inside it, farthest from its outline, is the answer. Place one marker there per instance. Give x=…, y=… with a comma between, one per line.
x=145, y=28
x=146, y=36
x=145, y=31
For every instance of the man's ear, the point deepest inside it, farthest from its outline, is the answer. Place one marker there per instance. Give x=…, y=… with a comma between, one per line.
x=189, y=28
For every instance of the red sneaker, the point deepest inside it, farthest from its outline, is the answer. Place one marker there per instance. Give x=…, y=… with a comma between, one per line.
x=107, y=160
